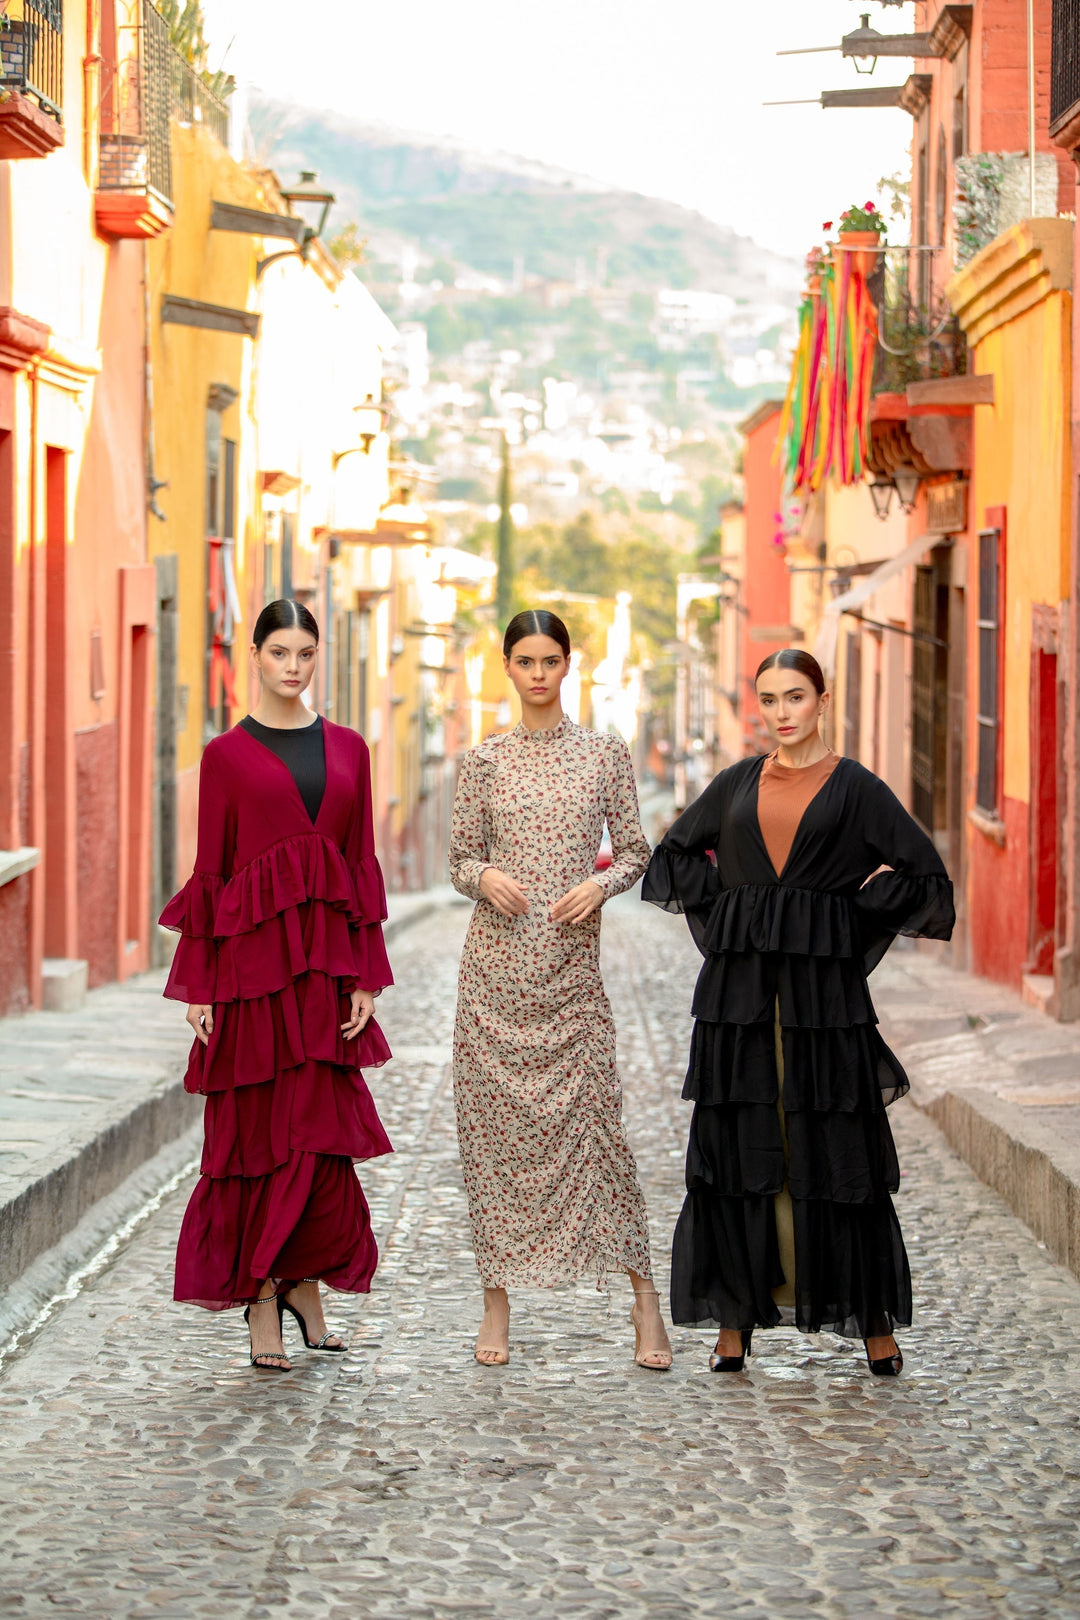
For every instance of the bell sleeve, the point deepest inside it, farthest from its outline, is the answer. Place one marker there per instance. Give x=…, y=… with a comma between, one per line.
x=682, y=874
x=191, y=913
x=629, y=846
x=915, y=896
x=470, y=837
x=372, y=968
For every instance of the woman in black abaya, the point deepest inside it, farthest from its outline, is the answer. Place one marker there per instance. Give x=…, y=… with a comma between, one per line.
x=790, y=1166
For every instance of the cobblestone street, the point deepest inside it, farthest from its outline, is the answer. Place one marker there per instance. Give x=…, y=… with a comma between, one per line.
x=149, y=1472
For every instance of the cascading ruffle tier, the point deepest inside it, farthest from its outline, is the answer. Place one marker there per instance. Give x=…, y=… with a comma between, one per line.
x=788, y=1074
x=276, y=947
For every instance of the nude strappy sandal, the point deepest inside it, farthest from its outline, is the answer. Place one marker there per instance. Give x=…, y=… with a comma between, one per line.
x=654, y=1360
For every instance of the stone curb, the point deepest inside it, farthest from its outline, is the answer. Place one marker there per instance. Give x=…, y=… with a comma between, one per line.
x=47, y=1212
x=1025, y=1160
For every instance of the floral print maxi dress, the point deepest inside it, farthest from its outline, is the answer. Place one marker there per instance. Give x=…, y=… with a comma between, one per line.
x=551, y=1181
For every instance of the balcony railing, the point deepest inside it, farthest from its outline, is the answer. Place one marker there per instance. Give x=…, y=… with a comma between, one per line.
x=134, y=138
x=193, y=101
x=916, y=342
x=145, y=84
x=32, y=52
x=1064, y=59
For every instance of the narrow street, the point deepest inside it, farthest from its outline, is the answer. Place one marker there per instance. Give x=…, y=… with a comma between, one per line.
x=148, y=1472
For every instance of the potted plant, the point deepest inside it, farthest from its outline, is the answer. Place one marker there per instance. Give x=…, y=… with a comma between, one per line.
x=862, y=230
x=816, y=261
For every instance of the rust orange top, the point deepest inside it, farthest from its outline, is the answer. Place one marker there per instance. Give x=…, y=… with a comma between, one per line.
x=784, y=791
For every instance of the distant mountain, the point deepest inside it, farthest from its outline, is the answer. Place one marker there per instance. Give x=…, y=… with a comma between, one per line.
x=500, y=215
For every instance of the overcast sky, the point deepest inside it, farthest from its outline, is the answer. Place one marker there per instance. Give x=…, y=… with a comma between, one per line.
x=664, y=99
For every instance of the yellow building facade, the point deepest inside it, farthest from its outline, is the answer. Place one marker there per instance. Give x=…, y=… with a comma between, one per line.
x=1014, y=301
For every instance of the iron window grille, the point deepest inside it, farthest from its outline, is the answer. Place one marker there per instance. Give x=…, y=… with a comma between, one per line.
x=1064, y=59
x=32, y=52
x=929, y=695
x=989, y=633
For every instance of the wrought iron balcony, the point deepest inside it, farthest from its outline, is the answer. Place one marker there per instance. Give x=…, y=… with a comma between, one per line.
x=145, y=84
x=31, y=78
x=193, y=102
x=917, y=342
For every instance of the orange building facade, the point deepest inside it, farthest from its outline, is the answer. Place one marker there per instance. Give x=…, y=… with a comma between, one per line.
x=77, y=598
x=764, y=600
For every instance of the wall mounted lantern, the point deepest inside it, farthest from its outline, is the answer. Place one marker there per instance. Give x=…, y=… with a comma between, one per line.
x=881, y=493
x=860, y=43
x=312, y=203
x=369, y=422
x=907, y=482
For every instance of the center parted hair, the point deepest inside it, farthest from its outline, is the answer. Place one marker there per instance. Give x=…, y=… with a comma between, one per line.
x=536, y=622
x=284, y=614
x=803, y=663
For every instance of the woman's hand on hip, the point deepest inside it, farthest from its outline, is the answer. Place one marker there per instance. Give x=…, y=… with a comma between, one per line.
x=579, y=903
x=200, y=1016
x=505, y=895
x=361, y=1007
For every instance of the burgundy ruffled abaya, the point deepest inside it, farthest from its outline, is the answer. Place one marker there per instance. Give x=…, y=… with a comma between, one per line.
x=280, y=920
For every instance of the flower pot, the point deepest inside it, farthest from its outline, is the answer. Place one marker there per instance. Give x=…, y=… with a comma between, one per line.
x=867, y=246
x=813, y=286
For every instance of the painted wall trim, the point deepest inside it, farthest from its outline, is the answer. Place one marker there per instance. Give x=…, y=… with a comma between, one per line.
x=992, y=826
x=211, y=317
x=14, y=862
x=255, y=222
x=1014, y=272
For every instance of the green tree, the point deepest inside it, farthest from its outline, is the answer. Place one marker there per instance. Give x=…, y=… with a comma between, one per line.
x=187, y=31
x=347, y=247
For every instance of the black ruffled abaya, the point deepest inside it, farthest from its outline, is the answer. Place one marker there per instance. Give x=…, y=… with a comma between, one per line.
x=794, y=949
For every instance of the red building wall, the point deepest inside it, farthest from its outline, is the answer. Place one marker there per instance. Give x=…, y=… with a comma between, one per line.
x=766, y=584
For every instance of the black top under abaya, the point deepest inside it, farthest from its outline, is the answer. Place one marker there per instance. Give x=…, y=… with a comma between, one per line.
x=301, y=748
x=792, y=951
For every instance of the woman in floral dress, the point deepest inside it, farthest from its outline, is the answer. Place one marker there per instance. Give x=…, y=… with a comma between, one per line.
x=551, y=1182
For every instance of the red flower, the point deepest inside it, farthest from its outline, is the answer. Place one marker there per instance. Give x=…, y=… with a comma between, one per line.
x=827, y=225
x=869, y=208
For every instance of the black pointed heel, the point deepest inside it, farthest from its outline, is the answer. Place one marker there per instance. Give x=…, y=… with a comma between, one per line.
x=719, y=1363
x=884, y=1366
x=266, y=1360
x=331, y=1349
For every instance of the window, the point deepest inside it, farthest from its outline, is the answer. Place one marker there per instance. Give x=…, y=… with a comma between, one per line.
x=989, y=632
x=941, y=187
x=960, y=105
x=363, y=647
x=929, y=694
x=922, y=259
x=1064, y=60
x=853, y=694
x=222, y=600
x=288, y=533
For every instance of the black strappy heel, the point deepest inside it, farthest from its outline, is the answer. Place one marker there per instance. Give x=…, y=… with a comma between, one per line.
x=331, y=1349
x=266, y=1360
x=884, y=1366
x=718, y=1363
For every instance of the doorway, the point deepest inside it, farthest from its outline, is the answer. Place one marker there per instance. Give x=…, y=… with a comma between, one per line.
x=1044, y=839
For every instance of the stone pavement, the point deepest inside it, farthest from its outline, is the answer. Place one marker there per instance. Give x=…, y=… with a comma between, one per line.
x=1001, y=1080
x=93, y=1120
x=148, y=1472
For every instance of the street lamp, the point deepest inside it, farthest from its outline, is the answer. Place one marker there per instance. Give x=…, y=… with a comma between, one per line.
x=369, y=422
x=864, y=36
x=313, y=203
x=881, y=493
x=907, y=482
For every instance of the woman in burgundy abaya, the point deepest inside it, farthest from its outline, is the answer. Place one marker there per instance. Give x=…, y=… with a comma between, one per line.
x=280, y=958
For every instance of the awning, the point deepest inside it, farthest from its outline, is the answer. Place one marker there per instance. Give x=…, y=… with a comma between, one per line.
x=850, y=600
